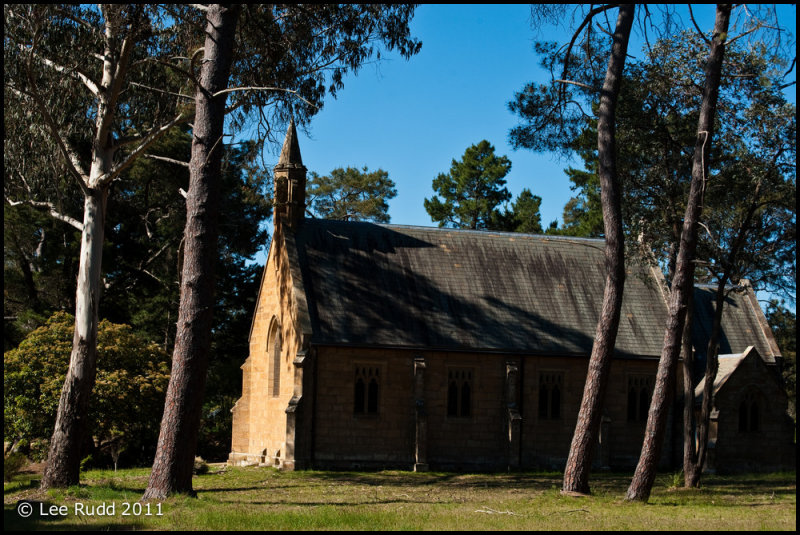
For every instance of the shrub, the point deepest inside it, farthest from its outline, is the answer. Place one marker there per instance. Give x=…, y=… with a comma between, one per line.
x=200, y=466
x=12, y=464
x=127, y=400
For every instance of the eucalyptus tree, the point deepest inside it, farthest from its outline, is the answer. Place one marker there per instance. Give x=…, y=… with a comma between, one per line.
x=275, y=62
x=81, y=77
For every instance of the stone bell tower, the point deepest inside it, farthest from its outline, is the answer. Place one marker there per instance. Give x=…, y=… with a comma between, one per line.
x=290, y=183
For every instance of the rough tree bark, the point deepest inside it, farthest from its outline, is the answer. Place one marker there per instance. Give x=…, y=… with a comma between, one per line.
x=689, y=451
x=683, y=280
x=177, y=443
x=576, y=474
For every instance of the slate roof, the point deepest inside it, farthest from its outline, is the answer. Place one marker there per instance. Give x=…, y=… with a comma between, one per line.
x=399, y=286
x=727, y=365
x=740, y=324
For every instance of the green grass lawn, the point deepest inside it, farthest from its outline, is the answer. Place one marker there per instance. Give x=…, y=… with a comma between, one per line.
x=265, y=499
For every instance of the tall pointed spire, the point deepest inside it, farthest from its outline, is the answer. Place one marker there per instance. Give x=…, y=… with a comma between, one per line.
x=290, y=153
x=290, y=182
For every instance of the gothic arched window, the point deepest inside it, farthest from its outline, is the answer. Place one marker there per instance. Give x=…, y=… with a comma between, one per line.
x=274, y=353
x=459, y=392
x=640, y=391
x=550, y=386
x=749, y=414
x=366, y=389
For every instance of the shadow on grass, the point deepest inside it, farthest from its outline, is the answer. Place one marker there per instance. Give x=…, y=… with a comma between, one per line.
x=13, y=522
x=394, y=479
x=20, y=485
x=463, y=480
x=26, y=515
x=351, y=503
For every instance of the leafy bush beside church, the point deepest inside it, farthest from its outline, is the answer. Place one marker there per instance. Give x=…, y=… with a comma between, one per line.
x=128, y=398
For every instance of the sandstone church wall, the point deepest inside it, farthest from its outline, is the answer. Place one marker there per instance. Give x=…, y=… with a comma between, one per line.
x=259, y=420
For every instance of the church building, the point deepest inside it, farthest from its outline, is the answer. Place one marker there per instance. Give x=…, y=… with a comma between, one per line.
x=378, y=346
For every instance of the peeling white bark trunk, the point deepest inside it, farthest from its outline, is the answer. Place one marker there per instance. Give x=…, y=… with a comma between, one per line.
x=121, y=34
x=64, y=457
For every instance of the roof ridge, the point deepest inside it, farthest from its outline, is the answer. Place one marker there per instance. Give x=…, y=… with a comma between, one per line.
x=461, y=230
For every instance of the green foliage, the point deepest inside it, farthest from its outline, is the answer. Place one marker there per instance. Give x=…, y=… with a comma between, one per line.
x=39, y=270
x=13, y=462
x=132, y=376
x=784, y=326
x=33, y=375
x=351, y=195
x=200, y=466
x=523, y=216
x=583, y=214
x=472, y=192
x=525, y=213
x=749, y=224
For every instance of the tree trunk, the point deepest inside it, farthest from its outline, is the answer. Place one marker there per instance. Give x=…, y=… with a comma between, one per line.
x=121, y=33
x=689, y=449
x=64, y=456
x=576, y=474
x=692, y=475
x=177, y=443
x=712, y=365
x=683, y=281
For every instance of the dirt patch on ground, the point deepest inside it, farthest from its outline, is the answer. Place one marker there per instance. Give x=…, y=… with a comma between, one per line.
x=33, y=468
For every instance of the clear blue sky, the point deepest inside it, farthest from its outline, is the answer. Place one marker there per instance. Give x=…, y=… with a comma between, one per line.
x=411, y=118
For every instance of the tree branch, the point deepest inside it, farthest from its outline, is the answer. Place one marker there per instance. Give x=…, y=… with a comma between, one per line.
x=165, y=159
x=162, y=91
x=188, y=74
x=577, y=32
x=148, y=140
x=697, y=27
x=72, y=161
x=117, y=76
x=256, y=88
x=42, y=205
x=579, y=84
x=74, y=71
x=80, y=22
